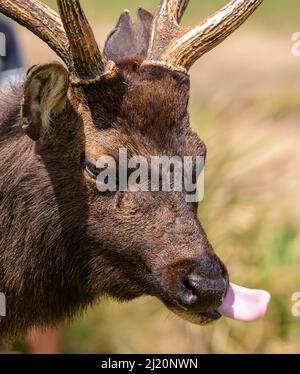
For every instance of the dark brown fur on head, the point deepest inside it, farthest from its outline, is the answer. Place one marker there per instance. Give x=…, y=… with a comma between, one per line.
x=63, y=244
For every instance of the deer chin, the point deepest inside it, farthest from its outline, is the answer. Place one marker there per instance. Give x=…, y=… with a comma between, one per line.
x=196, y=318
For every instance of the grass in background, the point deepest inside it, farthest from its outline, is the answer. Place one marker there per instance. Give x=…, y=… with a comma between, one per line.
x=251, y=209
x=277, y=14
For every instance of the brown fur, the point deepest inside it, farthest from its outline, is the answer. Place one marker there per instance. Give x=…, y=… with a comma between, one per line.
x=63, y=244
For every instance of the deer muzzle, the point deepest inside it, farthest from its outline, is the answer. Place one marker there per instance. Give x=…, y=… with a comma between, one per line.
x=195, y=289
x=203, y=294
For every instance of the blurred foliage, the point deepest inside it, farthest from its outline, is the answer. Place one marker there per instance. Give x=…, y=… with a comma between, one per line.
x=280, y=14
x=251, y=208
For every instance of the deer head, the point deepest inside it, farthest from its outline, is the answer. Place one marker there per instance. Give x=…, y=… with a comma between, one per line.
x=134, y=95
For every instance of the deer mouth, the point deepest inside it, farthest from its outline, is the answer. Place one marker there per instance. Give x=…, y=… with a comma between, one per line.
x=240, y=303
x=201, y=318
x=210, y=316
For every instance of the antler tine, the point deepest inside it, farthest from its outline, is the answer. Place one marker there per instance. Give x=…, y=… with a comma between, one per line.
x=42, y=21
x=87, y=59
x=186, y=45
x=166, y=26
x=172, y=9
x=205, y=36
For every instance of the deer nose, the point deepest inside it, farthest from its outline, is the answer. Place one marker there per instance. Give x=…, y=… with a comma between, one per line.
x=205, y=287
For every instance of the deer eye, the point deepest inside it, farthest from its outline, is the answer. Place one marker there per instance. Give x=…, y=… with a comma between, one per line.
x=91, y=169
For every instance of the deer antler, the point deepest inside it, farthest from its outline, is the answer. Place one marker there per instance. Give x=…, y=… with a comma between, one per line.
x=42, y=21
x=177, y=47
x=70, y=36
x=87, y=58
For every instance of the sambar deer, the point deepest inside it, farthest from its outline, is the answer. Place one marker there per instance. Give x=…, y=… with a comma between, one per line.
x=64, y=244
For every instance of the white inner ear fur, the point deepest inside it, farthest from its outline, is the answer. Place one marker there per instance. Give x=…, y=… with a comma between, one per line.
x=46, y=94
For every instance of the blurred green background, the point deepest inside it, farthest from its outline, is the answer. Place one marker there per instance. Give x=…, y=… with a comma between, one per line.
x=274, y=13
x=245, y=104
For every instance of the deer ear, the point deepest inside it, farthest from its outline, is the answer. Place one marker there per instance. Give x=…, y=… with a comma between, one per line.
x=45, y=96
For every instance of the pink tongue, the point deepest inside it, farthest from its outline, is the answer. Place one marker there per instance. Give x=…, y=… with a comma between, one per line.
x=244, y=304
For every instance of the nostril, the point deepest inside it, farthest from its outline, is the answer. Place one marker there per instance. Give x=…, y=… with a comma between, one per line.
x=189, y=290
x=191, y=282
x=200, y=293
